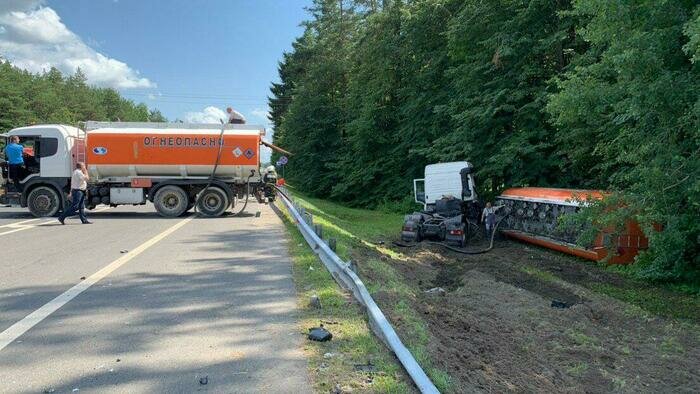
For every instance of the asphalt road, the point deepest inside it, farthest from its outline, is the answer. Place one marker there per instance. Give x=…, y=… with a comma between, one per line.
x=140, y=303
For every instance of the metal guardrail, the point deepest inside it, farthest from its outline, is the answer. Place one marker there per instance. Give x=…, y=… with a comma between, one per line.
x=343, y=274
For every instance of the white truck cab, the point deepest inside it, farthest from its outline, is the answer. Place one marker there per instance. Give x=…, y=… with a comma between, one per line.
x=50, y=154
x=453, y=179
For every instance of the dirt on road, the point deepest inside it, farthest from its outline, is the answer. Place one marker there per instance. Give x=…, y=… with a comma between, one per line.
x=525, y=319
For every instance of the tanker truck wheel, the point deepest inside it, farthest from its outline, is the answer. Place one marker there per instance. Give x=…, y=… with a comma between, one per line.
x=43, y=201
x=213, y=202
x=171, y=201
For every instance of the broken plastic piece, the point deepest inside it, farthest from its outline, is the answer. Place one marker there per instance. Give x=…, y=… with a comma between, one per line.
x=559, y=304
x=319, y=334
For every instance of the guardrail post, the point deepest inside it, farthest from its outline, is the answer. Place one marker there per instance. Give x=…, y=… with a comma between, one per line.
x=332, y=243
x=318, y=229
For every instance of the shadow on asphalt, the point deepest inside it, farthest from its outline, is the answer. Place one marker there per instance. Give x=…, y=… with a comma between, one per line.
x=208, y=296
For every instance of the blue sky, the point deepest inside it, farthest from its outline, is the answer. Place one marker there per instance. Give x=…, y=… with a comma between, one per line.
x=180, y=56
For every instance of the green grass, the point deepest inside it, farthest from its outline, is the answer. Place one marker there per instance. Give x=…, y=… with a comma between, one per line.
x=581, y=339
x=358, y=230
x=656, y=300
x=353, y=342
x=577, y=369
x=542, y=275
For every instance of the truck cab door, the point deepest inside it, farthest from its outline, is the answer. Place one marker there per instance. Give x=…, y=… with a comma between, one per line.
x=419, y=191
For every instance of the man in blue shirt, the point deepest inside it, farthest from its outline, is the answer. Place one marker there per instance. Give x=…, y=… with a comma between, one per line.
x=15, y=161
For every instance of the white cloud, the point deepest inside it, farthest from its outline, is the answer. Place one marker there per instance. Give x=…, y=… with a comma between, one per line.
x=35, y=39
x=207, y=115
x=260, y=114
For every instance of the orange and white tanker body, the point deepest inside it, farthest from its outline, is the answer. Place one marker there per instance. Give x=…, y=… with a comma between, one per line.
x=169, y=164
x=534, y=215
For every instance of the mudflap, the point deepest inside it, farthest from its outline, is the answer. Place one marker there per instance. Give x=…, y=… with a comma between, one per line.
x=411, y=230
x=455, y=232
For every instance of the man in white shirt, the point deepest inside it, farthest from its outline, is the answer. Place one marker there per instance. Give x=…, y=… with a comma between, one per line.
x=235, y=117
x=78, y=192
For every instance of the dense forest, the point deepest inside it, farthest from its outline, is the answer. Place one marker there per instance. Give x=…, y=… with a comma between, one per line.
x=563, y=93
x=51, y=97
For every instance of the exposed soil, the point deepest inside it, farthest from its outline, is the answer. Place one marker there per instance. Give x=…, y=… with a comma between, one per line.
x=497, y=331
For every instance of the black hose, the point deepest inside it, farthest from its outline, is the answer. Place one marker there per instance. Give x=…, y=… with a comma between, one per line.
x=459, y=250
x=216, y=166
x=247, y=194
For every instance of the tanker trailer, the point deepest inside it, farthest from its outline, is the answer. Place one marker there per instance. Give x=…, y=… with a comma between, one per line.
x=173, y=165
x=533, y=215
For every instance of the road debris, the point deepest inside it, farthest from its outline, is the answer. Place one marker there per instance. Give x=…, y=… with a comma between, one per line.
x=82, y=278
x=560, y=304
x=315, y=302
x=204, y=380
x=319, y=334
x=436, y=291
x=123, y=251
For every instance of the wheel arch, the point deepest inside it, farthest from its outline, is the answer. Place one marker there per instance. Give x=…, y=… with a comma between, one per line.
x=59, y=185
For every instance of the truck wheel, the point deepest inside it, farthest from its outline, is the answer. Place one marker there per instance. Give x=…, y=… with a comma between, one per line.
x=170, y=201
x=43, y=201
x=213, y=202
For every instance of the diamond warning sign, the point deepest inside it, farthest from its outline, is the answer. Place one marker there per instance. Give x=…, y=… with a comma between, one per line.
x=249, y=153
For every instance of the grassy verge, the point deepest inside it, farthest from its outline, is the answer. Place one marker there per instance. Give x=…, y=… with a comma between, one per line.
x=360, y=233
x=354, y=359
x=655, y=299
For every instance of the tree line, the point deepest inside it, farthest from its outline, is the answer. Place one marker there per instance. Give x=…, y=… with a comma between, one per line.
x=562, y=93
x=51, y=97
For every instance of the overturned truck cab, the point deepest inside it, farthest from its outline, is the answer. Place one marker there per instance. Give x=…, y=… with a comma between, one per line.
x=449, y=199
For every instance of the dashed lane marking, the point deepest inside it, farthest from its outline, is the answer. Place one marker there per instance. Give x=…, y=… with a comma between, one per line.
x=34, y=318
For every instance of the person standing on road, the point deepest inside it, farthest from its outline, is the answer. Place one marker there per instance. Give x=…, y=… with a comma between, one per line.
x=14, y=151
x=78, y=192
x=489, y=216
x=235, y=117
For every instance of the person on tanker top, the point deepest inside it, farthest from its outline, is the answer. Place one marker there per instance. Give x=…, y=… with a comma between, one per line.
x=78, y=192
x=235, y=117
x=14, y=151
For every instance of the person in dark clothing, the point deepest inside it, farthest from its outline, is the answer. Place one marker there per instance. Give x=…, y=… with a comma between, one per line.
x=15, y=162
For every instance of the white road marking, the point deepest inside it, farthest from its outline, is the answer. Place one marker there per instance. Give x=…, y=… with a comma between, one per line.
x=34, y=318
x=20, y=226
x=18, y=223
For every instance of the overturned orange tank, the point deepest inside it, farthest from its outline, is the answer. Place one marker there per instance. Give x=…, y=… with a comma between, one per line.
x=533, y=215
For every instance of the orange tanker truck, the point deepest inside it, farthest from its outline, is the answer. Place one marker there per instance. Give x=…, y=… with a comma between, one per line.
x=173, y=165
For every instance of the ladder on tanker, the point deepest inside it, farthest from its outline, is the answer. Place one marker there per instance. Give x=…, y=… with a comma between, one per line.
x=79, y=148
